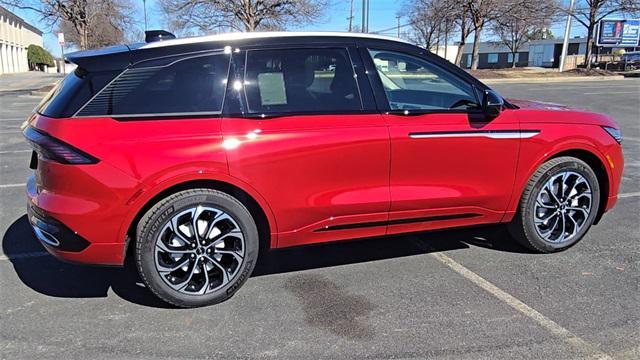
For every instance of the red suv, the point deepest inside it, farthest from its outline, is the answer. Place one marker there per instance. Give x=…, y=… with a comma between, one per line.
x=191, y=155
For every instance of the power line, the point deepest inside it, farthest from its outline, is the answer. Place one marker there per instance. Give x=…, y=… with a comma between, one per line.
x=393, y=28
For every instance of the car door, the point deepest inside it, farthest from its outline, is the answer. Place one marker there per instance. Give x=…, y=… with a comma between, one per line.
x=450, y=164
x=304, y=133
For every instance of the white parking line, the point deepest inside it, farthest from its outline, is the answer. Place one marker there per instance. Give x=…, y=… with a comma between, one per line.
x=553, y=327
x=611, y=92
x=13, y=119
x=24, y=256
x=14, y=151
x=627, y=195
x=5, y=186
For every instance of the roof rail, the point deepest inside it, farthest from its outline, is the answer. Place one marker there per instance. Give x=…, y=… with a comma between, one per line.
x=157, y=35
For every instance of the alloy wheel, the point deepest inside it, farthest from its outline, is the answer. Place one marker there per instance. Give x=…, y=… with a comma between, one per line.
x=563, y=206
x=199, y=250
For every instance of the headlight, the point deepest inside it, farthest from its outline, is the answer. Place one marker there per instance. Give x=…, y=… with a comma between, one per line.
x=615, y=133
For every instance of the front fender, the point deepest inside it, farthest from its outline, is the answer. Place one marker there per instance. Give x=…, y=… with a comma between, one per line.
x=553, y=140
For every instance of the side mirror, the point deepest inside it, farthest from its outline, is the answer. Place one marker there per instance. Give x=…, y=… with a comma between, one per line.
x=492, y=104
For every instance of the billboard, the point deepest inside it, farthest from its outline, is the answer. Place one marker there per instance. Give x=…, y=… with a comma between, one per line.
x=618, y=33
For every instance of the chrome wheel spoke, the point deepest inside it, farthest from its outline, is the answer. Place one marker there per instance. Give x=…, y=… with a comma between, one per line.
x=164, y=247
x=183, y=284
x=584, y=212
x=223, y=271
x=542, y=205
x=174, y=267
x=235, y=254
x=549, y=189
x=561, y=237
x=235, y=233
x=205, y=286
x=545, y=219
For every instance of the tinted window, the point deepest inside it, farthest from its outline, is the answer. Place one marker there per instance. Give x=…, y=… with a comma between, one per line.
x=72, y=92
x=300, y=80
x=413, y=83
x=188, y=85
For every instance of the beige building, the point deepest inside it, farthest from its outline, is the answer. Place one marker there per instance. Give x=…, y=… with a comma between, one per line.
x=15, y=36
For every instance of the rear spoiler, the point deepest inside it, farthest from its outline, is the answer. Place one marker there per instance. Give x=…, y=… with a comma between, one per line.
x=115, y=57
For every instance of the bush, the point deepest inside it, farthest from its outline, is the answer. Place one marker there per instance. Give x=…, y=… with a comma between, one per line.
x=37, y=56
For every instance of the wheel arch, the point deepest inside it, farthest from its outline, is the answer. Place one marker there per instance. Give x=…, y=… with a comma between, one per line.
x=598, y=167
x=590, y=156
x=257, y=206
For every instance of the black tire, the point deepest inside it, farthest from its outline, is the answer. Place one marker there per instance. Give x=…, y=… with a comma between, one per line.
x=523, y=228
x=153, y=222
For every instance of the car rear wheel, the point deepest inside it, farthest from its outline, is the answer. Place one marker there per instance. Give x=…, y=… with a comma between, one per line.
x=558, y=205
x=196, y=247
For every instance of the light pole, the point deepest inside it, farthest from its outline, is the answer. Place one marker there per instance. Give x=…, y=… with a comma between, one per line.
x=365, y=16
x=398, y=18
x=567, y=33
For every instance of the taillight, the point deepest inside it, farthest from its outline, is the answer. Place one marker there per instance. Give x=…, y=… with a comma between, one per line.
x=57, y=150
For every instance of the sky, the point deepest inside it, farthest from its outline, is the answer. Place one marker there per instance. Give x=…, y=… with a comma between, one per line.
x=382, y=15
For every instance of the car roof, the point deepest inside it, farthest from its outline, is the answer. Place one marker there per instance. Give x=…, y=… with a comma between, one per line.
x=120, y=56
x=236, y=36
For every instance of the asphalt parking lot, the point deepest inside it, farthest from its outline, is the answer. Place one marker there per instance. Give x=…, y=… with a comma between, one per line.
x=463, y=294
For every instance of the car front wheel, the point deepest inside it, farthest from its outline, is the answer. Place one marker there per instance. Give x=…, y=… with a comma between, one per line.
x=196, y=247
x=558, y=206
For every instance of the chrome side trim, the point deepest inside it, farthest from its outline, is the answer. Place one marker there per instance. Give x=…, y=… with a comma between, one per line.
x=510, y=134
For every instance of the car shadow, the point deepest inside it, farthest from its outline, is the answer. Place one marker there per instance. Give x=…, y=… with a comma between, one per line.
x=49, y=276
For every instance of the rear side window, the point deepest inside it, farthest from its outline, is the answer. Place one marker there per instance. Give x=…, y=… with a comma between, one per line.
x=73, y=92
x=301, y=80
x=188, y=85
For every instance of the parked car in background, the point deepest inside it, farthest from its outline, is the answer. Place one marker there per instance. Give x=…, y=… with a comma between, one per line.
x=193, y=156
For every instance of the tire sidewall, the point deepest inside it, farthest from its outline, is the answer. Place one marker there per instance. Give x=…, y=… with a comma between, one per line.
x=150, y=230
x=528, y=214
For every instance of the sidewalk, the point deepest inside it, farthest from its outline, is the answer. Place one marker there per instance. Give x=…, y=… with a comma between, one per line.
x=27, y=81
x=551, y=79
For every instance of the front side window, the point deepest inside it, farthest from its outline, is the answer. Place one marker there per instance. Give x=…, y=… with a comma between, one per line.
x=492, y=58
x=300, y=80
x=188, y=85
x=412, y=83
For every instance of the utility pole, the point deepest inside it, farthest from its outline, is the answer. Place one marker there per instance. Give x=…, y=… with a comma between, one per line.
x=398, y=18
x=351, y=17
x=567, y=33
x=144, y=5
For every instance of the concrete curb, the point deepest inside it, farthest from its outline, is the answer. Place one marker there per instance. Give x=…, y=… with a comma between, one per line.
x=551, y=79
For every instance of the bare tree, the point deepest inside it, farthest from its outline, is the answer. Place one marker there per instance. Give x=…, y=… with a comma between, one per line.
x=590, y=12
x=242, y=15
x=427, y=18
x=109, y=23
x=424, y=21
x=518, y=26
x=462, y=24
x=483, y=13
x=87, y=23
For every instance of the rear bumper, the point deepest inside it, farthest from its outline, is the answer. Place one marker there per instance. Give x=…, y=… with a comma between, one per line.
x=54, y=234
x=63, y=241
